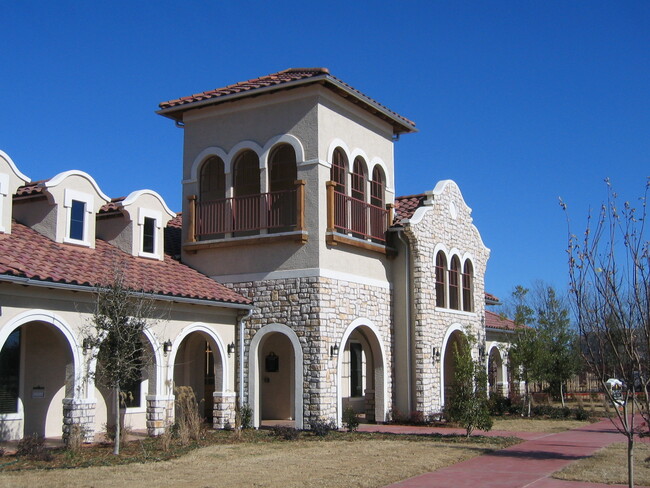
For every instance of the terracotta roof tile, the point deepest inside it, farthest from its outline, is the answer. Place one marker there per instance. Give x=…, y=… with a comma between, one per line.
x=30, y=189
x=489, y=297
x=111, y=206
x=496, y=321
x=173, y=234
x=281, y=78
x=26, y=253
x=406, y=206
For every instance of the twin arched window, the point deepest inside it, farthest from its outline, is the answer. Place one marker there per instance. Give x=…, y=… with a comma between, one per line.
x=454, y=284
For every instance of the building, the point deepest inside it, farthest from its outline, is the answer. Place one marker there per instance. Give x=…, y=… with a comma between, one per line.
x=331, y=291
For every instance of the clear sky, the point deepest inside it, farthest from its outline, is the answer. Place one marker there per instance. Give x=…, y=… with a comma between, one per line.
x=519, y=102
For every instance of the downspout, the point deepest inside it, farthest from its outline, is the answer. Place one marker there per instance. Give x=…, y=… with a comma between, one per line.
x=409, y=352
x=241, y=356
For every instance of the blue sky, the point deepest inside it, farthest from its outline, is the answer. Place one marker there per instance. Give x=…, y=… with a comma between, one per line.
x=518, y=102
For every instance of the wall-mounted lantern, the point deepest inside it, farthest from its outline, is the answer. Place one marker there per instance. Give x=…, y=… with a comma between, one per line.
x=167, y=347
x=334, y=350
x=272, y=363
x=86, y=344
x=231, y=348
x=435, y=354
x=481, y=353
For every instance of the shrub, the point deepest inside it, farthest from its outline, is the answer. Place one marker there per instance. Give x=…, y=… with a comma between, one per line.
x=246, y=414
x=188, y=419
x=2, y=451
x=581, y=414
x=350, y=419
x=75, y=438
x=321, y=427
x=33, y=447
x=286, y=433
x=499, y=405
x=110, y=433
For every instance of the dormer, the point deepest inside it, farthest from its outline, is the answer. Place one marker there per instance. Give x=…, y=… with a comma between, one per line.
x=10, y=180
x=62, y=208
x=136, y=224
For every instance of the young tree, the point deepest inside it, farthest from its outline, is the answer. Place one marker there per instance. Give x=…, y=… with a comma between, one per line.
x=469, y=402
x=609, y=270
x=119, y=320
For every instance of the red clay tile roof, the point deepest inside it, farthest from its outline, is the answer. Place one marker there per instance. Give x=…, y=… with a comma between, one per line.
x=173, y=241
x=489, y=297
x=406, y=206
x=112, y=206
x=26, y=253
x=282, y=80
x=496, y=321
x=32, y=188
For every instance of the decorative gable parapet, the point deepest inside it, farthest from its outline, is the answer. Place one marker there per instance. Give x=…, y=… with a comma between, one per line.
x=10, y=180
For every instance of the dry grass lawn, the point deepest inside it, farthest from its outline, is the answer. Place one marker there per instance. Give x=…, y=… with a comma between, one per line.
x=609, y=465
x=522, y=424
x=368, y=463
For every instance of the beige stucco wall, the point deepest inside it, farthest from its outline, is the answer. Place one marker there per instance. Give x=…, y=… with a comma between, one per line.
x=54, y=357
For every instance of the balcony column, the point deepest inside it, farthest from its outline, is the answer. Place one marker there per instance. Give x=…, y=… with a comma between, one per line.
x=191, y=218
x=330, y=185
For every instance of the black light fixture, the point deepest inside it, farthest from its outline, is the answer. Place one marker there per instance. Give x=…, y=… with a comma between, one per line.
x=231, y=348
x=87, y=346
x=436, y=354
x=481, y=352
x=334, y=350
x=167, y=346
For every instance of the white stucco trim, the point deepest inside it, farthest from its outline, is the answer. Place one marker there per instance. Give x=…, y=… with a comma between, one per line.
x=89, y=201
x=292, y=140
x=212, y=334
x=303, y=273
x=4, y=191
x=366, y=323
x=376, y=161
x=467, y=256
x=240, y=147
x=51, y=183
x=202, y=157
x=133, y=196
x=418, y=215
x=13, y=167
x=50, y=318
x=453, y=328
x=158, y=243
x=253, y=372
x=338, y=143
x=358, y=152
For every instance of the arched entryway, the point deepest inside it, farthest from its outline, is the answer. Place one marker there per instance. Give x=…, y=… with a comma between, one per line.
x=276, y=376
x=496, y=384
x=200, y=364
x=39, y=364
x=361, y=372
x=453, y=340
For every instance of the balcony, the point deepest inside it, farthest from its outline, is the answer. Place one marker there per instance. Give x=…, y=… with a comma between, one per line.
x=232, y=221
x=355, y=222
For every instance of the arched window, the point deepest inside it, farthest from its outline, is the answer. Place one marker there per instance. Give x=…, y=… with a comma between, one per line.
x=441, y=279
x=378, y=221
x=212, y=183
x=246, y=192
x=454, y=283
x=468, y=286
x=338, y=172
x=359, y=179
x=358, y=214
x=282, y=180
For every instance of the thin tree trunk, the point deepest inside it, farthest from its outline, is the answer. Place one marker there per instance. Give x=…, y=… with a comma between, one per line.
x=630, y=461
x=116, y=445
x=562, y=394
x=528, y=402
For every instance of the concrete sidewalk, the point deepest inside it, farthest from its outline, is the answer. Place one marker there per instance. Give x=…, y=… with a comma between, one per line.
x=529, y=464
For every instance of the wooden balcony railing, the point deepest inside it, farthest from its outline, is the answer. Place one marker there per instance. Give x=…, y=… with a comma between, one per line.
x=348, y=215
x=278, y=211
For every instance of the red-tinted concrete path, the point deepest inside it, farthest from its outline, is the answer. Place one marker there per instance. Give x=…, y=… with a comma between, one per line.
x=529, y=464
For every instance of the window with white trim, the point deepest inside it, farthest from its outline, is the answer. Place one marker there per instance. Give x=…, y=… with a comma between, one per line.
x=78, y=205
x=4, y=191
x=149, y=224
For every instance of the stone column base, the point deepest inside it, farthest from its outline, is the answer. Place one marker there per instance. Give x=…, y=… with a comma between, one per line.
x=160, y=412
x=223, y=410
x=79, y=412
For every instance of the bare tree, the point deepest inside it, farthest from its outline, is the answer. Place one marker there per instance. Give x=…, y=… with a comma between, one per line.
x=610, y=285
x=120, y=318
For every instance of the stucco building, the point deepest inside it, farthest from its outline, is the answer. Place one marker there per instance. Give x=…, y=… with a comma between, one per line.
x=296, y=281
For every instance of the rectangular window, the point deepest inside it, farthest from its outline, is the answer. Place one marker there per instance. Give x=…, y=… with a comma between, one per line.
x=356, y=370
x=149, y=235
x=77, y=216
x=131, y=389
x=10, y=373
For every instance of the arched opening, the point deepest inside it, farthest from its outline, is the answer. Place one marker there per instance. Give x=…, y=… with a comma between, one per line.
x=454, y=283
x=358, y=213
x=362, y=374
x=282, y=185
x=276, y=362
x=246, y=205
x=199, y=364
x=338, y=174
x=212, y=211
x=455, y=340
x=378, y=203
x=468, y=286
x=36, y=374
x=495, y=373
x=441, y=279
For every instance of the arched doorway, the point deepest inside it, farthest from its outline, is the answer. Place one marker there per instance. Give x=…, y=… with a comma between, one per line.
x=276, y=376
x=199, y=364
x=37, y=371
x=454, y=339
x=495, y=373
x=361, y=367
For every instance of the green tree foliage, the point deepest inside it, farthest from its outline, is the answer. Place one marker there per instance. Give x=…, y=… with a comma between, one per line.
x=468, y=405
x=115, y=339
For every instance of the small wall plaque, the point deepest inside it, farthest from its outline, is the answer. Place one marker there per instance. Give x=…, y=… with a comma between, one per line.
x=38, y=392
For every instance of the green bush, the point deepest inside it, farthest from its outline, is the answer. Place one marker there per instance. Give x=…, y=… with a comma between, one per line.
x=350, y=419
x=499, y=405
x=321, y=427
x=286, y=433
x=246, y=413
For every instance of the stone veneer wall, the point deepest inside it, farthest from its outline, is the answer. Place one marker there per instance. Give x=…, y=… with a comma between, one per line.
x=82, y=413
x=448, y=222
x=319, y=310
